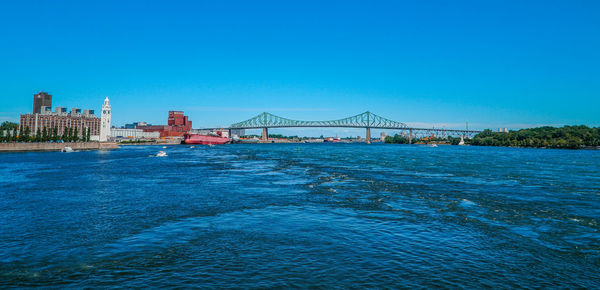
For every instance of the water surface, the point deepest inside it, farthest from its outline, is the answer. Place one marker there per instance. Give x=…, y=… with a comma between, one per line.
x=300, y=215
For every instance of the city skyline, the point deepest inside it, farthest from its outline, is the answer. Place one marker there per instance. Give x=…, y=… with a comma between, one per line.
x=442, y=64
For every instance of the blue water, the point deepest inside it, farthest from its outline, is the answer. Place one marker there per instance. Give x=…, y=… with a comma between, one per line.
x=301, y=215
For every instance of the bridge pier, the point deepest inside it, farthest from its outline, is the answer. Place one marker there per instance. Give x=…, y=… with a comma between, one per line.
x=410, y=136
x=368, y=136
x=265, y=134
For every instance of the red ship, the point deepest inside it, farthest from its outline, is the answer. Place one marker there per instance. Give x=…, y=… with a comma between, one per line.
x=204, y=139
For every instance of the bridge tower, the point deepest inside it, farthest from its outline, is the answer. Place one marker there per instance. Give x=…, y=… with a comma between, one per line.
x=368, y=135
x=265, y=134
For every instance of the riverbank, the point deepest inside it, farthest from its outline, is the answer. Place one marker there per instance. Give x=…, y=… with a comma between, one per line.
x=39, y=146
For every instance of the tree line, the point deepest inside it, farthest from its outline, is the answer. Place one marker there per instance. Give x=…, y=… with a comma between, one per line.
x=567, y=137
x=11, y=132
x=401, y=139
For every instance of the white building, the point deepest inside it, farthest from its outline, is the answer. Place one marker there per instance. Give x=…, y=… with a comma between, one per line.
x=105, y=121
x=133, y=134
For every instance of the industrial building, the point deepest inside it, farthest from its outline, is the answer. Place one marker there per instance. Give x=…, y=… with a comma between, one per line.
x=177, y=125
x=119, y=133
x=43, y=117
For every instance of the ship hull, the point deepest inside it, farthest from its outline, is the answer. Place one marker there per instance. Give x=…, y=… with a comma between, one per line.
x=204, y=139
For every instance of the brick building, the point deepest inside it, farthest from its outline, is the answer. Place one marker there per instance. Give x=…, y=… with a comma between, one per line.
x=178, y=124
x=59, y=119
x=41, y=100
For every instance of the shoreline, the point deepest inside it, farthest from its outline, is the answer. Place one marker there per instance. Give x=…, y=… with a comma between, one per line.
x=49, y=147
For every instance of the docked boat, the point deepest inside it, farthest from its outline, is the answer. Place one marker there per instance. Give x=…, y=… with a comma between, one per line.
x=204, y=139
x=66, y=149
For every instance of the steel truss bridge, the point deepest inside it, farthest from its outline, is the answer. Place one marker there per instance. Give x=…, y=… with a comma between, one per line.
x=365, y=120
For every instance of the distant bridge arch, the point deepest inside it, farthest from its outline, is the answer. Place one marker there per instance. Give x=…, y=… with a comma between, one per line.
x=365, y=120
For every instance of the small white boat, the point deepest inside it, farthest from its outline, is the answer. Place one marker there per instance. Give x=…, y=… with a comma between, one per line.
x=161, y=154
x=432, y=145
x=66, y=149
x=211, y=145
x=191, y=147
x=164, y=147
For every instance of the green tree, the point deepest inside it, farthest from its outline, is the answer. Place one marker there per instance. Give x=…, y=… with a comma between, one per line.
x=572, y=137
x=20, y=136
x=75, y=135
x=38, y=135
x=44, y=134
x=87, y=138
x=27, y=134
x=55, y=134
x=2, y=135
x=6, y=125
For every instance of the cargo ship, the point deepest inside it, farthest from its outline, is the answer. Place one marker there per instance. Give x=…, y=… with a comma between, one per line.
x=204, y=139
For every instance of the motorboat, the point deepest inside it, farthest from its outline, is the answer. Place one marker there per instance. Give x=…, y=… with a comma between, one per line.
x=161, y=154
x=66, y=149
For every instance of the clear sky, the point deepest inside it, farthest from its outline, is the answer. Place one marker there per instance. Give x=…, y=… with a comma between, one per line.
x=492, y=63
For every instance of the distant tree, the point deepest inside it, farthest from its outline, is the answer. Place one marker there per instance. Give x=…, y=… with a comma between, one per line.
x=87, y=139
x=572, y=137
x=20, y=135
x=75, y=135
x=55, y=134
x=67, y=134
x=8, y=137
x=64, y=135
x=6, y=125
x=44, y=134
x=27, y=134
x=38, y=135
x=396, y=139
x=2, y=135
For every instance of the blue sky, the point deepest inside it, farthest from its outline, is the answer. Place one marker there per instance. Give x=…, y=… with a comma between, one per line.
x=492, y=63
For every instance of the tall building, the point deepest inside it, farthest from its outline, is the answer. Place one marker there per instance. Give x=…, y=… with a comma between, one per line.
x=59, y=119
x=176, y=118
x=105, y=121
x=41, y=99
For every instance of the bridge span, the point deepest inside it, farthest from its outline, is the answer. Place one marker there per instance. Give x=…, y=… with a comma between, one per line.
x=366, y=120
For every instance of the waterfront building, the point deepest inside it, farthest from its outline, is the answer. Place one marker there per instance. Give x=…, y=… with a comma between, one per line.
x=177, y=125
x=41, y=99
x=118, y=133
x=105, y=121
x=134, y=125
x=238, y=132
x=62, y=111
x=43, y=117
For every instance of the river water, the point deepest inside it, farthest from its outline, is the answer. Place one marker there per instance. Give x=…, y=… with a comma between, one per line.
x=301, y=215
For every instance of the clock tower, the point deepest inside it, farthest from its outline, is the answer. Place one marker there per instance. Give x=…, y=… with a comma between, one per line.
x=105, y=121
